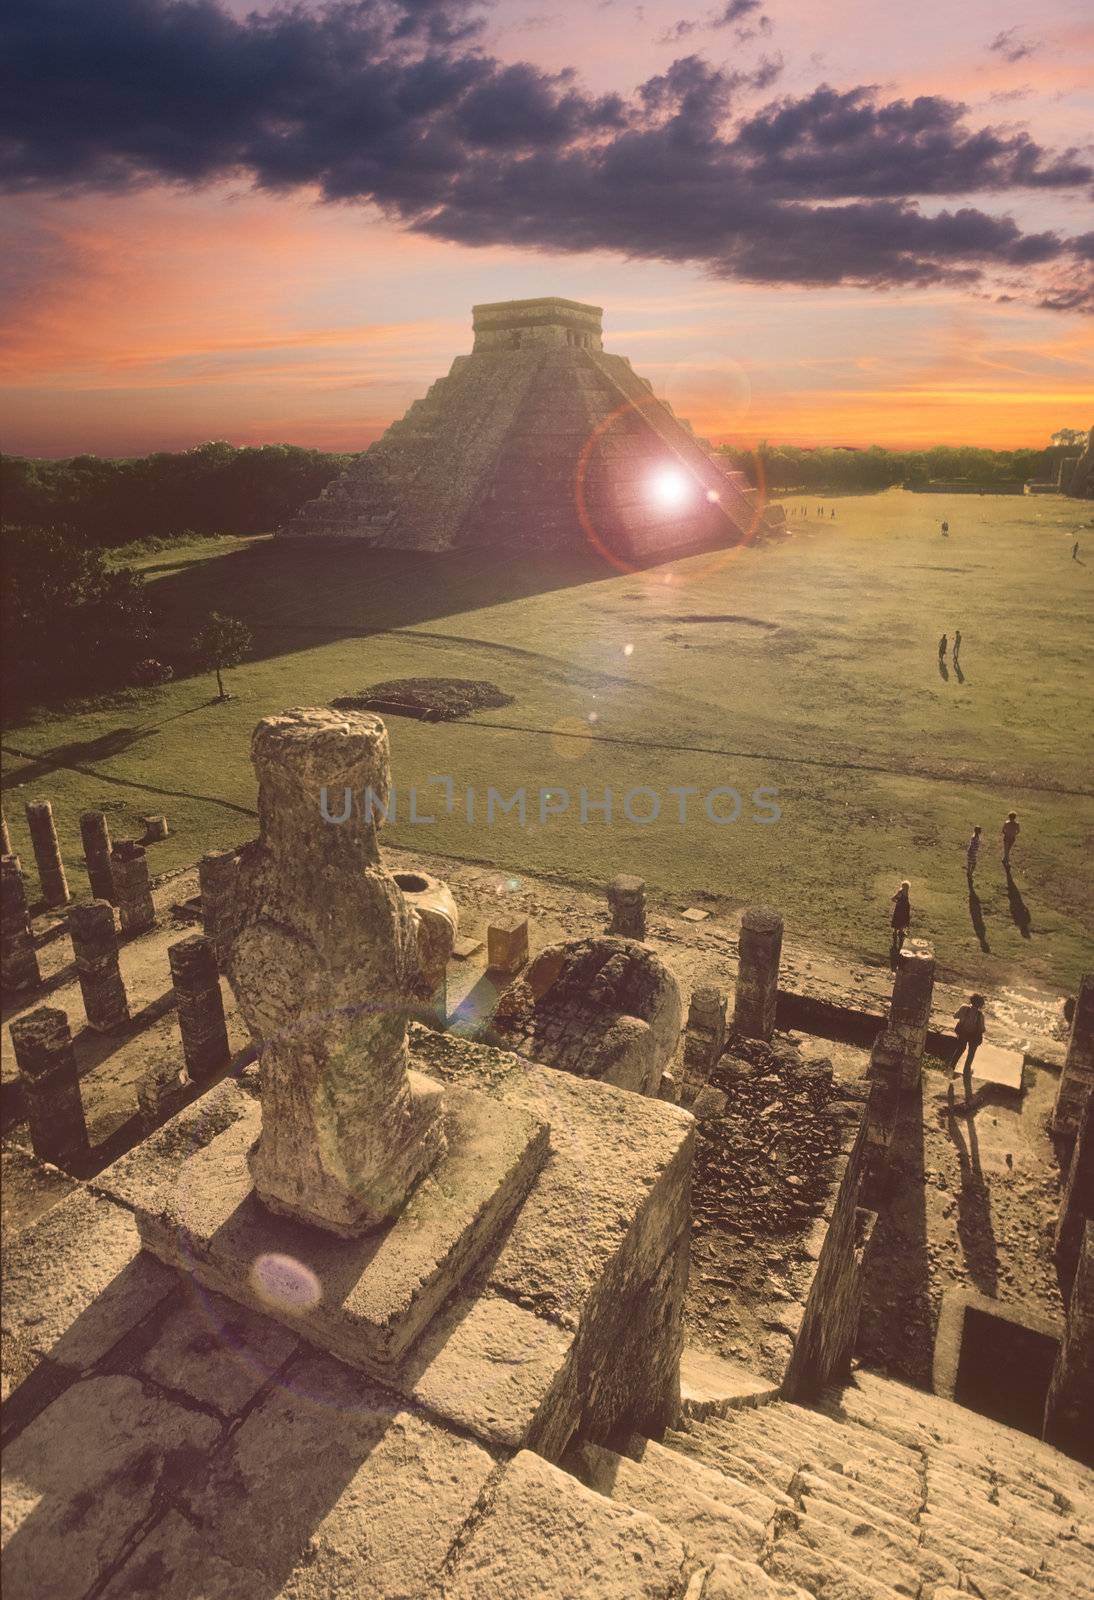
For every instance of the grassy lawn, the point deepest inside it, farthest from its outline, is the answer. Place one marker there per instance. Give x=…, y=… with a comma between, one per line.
x=811, y=670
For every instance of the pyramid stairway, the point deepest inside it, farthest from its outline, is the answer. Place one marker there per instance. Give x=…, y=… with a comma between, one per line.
x=880, y=1490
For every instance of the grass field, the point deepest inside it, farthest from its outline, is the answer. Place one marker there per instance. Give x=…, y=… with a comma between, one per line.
x=807, y=666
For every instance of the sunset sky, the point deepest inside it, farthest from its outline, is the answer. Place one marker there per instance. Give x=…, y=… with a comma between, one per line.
x=811, y=221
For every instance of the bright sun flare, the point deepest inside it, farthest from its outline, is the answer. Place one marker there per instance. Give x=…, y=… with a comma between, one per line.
x=671, y=488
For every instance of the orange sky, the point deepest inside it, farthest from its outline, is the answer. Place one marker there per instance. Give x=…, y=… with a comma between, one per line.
x=170, y=316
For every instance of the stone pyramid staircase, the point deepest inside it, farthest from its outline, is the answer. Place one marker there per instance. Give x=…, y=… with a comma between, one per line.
x=878, y=1491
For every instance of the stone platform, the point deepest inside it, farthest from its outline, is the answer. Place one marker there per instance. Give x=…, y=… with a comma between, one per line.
x=365, y=1300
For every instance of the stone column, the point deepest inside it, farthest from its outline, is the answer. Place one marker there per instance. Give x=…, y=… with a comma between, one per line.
x=160, y=1093
x=95, y=947
x=18, y=957
x=200, y=1005
x=155, y=827
x=1070, y=1403
x=217, y=873
x=47, y=853
x=5, y=836
x=436, y=924
x=1077, y=1204
x=1077, y=1079
x=46, y=1060
x=705, y=1033
x=627, y=903
x=95, y=833
x=898, y=1051
x=760, y=948
x=323, y=965
x=132, y=888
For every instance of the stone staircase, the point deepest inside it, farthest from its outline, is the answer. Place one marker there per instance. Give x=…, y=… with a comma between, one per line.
x=878, y=1491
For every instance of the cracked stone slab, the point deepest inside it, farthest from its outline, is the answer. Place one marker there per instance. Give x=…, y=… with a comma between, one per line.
x=544, y=1533
x=75, y=1282
x=213, y=1350
x=366, y=1300
x=330, y=1487
x=84, y=1476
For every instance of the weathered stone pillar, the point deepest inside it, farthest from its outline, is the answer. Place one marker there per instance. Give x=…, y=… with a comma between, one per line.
x=95, y=833
x=705, y=1033
x=217, y=873
x=132, y=887
x=759, y=949
x=47, y=853
x=1077, y=1079
x=627, y=903
x=5, y=836
x=200, y=1006
x=898, y=1052
x=323, y=966
x=155, y=827
x=507, y=945
x=1077, y=1204
x=1070, y=1403
x=46, y=1060
x=160, y=1093
x=95, y=947
x=18, y=957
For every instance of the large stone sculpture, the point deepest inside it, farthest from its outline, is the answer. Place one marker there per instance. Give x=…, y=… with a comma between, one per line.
x=323, y=961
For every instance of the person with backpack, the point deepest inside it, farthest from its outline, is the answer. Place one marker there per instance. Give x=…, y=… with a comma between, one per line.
x=969, y=1030
x=899, y=921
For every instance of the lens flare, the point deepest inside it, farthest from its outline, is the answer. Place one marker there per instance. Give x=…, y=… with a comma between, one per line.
x=671, y=489
x=284, y=1283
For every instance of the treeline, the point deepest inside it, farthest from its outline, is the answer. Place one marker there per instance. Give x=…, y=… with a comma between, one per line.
x=785, y=467
x=214, y=488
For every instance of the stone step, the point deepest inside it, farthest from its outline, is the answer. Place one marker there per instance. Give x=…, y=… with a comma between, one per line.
x=717, y=1445
x=835, y=1447
x=711, y=1386
x=729, y=1578
x=685, y=1497
x=823, y=1576
x=857, y=1546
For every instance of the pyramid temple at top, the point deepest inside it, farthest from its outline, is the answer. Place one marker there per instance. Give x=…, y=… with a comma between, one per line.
x=539, y=438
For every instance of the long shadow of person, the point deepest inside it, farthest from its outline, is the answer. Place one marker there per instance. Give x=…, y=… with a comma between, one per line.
x=958, y=674
x=976, y=913
x=943, y=671
x=1020, y=912
x=974, y=1225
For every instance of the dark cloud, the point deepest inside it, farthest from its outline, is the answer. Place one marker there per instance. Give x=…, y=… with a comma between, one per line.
x=1012, y=47
x=394, y=103
x=734, y=15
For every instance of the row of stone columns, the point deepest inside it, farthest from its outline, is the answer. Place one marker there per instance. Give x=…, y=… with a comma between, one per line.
x=116, y=872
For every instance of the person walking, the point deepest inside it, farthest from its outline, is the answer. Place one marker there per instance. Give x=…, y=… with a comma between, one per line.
x=1011, y=830
x=1075, y=551
x=942, y=645
x=956, y=646
x=968, y=1033
x=972, y=851
x=945, y=530
x=900, y=921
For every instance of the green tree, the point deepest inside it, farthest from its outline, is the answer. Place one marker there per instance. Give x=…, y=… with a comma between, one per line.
x=1069, y=437
x=220, y=643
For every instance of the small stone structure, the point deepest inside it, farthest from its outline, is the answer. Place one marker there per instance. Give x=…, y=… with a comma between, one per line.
x=705, y=1034
x=5, y=836
x=46, y=1059
x=155, y=827
x=599, y=1008
x=132, y=887
x=18, y=957
x=507, y=945
x=1077, y=1079
x=95, y=948
x=196, y=983
x=95, y=834
x=898, y=1051
x=436, y=925
x=757, y=994
x=217, y=873
x=47, y=853
x=627, y=904
x=160, y=1092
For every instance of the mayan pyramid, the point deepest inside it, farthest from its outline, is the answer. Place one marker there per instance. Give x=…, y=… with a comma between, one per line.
x=539, y=438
